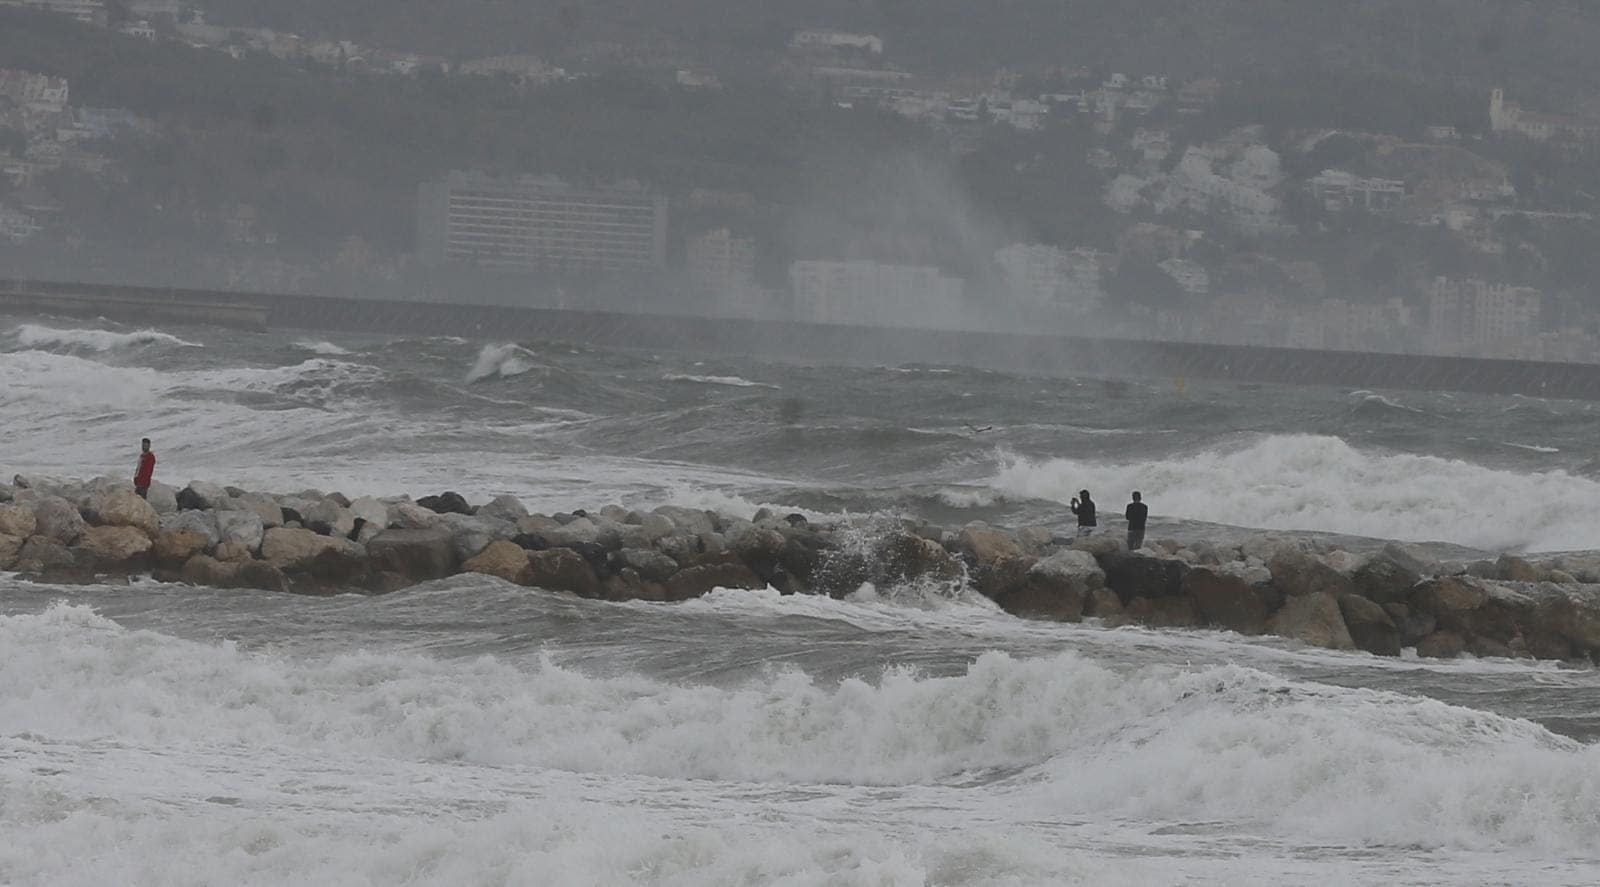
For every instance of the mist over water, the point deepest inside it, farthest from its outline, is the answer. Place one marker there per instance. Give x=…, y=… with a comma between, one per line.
x=472, y=732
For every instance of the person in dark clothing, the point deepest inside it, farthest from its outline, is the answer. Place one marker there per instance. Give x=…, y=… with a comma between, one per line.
x=1083, y=507
x=146, y=471
x=1136, y=514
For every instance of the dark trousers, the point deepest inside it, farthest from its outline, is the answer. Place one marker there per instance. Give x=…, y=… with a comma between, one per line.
x=1135, y=538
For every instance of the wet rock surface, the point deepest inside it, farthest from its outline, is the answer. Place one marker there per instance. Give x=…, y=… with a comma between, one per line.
x=319, y=543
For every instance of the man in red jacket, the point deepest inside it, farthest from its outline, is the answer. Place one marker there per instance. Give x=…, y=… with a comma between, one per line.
x=147, y=469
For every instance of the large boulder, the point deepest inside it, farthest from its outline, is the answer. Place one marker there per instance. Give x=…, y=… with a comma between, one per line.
x=473, y=534
x=10, y=549
x=16, y=520
x=1233, y=597
x=696, y=581
x=1570, y=612
x=114, y=546
x=1296, y=572
x=1312, y=619
x=688, y=521
x=124, y=508
x=1412, y=558
x=419, y=555
x=56, y=518
x=980, y=543
x=446, y=503
x=903, y=558
x=329, y=518
x=575, y=531
x=202, y=496
x=651, y=565
x=43, y=554
x=1104, y=543
x=501, y=558
x=411, y=516
x=374, y=513
x=1386, y=577
x=562, y=569
x=627, y=585
x=1136, y=575
x=1515, y=569
x=262, y=506
x=1442, y=644
x=1163, y=612
x=175, y=547
x=302, y=551
x=1451, y=600
x=506, y=508
x=243, y=527
x=199, y=521
x=1370, y=626
x=1057, y=587
x=759, y=548
x=540, y=525
x=232, y=552
x=205, y=570
x=162, y=497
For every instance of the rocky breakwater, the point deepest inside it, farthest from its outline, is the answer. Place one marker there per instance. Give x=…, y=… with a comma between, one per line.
x=322, y=543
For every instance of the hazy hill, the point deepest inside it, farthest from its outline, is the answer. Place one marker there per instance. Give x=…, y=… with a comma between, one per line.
x=1470, y=41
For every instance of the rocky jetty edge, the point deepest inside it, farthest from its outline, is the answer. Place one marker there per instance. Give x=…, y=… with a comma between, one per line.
x=68, y=531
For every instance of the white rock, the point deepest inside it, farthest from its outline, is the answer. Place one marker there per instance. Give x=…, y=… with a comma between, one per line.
x=375, y=513
x=503, y=508
x=243, y=527
x=204, y=522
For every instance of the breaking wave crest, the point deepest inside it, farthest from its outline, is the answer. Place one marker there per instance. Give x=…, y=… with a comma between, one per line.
x=1319, y=483
x=1059, y=734
x=501, y=361
x=39, y=337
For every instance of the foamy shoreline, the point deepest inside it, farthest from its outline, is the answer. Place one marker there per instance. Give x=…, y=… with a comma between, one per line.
x=69, y=531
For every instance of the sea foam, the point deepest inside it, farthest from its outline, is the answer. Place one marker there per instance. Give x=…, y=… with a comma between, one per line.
x=1061, y=733
x=35, y=336
x=1320, y=483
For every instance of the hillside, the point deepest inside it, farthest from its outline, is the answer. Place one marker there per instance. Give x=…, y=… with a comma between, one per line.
x=1457, y=41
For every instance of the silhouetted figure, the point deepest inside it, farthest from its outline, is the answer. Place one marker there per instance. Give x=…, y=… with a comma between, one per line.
x=1136, y=514
x=146, y=471
x=1083, y=507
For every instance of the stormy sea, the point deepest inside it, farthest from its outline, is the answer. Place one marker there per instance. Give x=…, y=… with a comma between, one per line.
x=471, y=732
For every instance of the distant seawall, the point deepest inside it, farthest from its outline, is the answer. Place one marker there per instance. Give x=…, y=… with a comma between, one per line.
x=1050, y=355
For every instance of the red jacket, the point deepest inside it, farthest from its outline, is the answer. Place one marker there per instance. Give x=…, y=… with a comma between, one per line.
x=147, y=470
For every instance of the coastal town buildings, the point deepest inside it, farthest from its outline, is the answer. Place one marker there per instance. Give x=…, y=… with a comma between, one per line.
x=721, y=265
x=1508, y=117
x=1336, y=191
x=1472, y=316
x=37, y=93
x=865, y=293
x=90, y=12
x=1047, y=276
x=540, y=223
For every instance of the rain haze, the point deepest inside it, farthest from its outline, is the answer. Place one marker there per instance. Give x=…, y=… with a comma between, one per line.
x=848, y=442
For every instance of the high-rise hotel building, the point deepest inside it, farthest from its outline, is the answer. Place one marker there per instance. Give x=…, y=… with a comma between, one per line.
x=540, y=223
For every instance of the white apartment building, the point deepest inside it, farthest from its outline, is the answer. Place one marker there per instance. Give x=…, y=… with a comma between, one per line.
x=721, y=265
x=540, y=223
x=862, y=293
x=819, y=40
x=90, y=12
x=1475, y=314
x=40, y=93
x=1337, y=190
x=1047, y=276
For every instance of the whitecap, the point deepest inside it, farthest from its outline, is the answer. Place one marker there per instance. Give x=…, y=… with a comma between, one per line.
x=35, y=336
